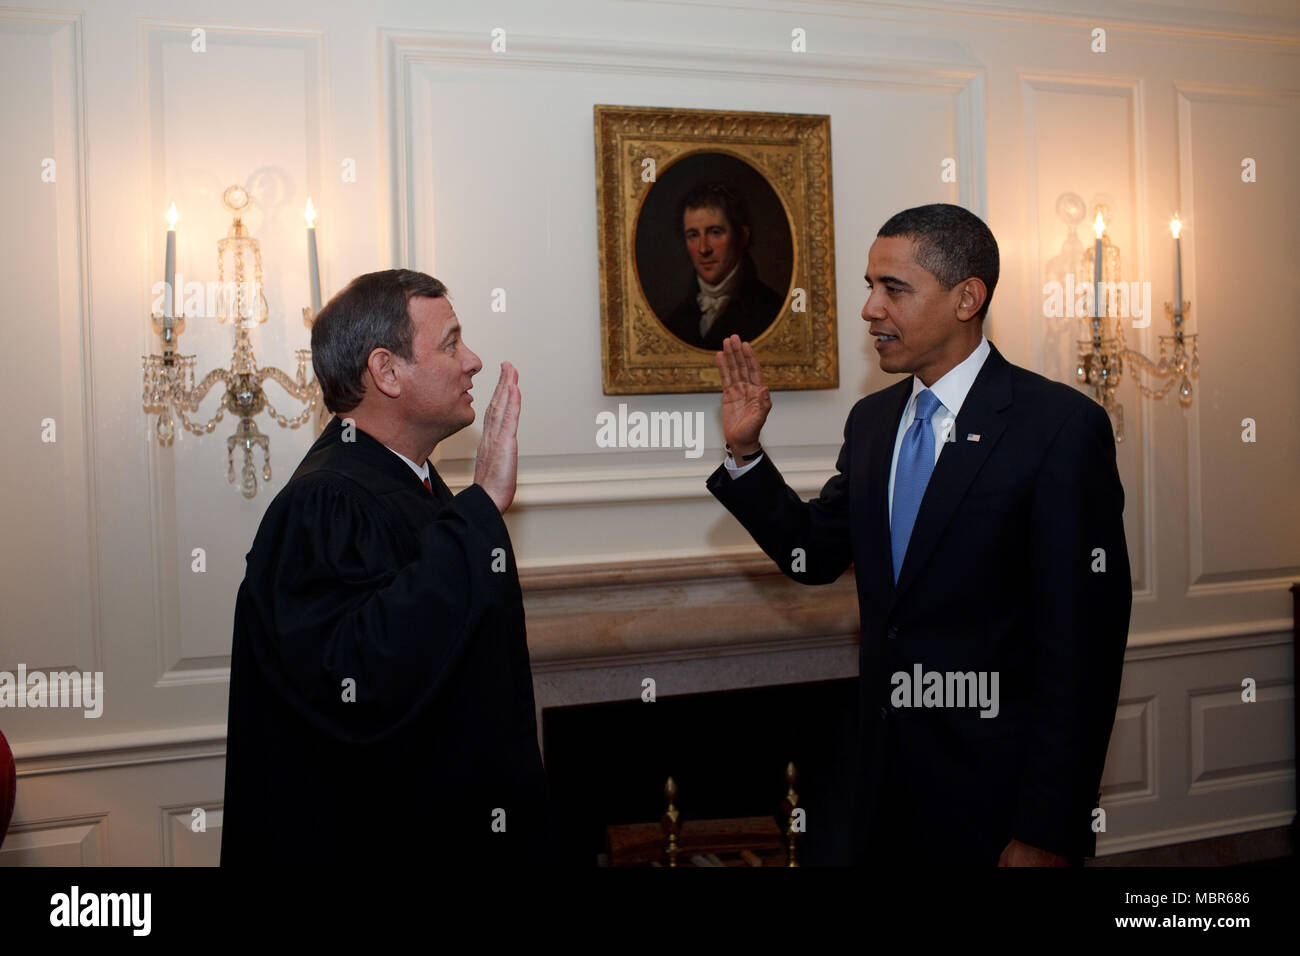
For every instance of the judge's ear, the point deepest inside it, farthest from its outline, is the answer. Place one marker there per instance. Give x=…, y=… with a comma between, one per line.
x=971, y=299
x=382, y=366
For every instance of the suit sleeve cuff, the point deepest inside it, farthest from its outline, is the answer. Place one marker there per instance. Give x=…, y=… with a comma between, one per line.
x=735, y=471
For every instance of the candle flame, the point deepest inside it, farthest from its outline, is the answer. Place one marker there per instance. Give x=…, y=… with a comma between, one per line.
x=172, y=216
x=1175, y=226
x=310, y=214
x=1099, y=225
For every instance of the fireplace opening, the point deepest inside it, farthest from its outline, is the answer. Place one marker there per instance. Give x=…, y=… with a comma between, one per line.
x=727, y=751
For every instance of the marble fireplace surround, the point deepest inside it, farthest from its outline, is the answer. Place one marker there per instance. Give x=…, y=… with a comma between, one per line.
x=694, y=625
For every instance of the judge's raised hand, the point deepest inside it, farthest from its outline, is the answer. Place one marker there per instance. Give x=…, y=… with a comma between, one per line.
x=496, y=465
x=745, y=399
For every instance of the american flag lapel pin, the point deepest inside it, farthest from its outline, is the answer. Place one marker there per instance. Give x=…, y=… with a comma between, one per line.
x=972, y=437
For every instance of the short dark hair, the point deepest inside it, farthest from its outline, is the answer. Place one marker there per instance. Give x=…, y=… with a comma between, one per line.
x=952, y=244
x=371, y=313
x=721, y=197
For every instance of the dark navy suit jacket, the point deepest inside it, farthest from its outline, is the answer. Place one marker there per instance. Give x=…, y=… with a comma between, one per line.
x=1001, y=574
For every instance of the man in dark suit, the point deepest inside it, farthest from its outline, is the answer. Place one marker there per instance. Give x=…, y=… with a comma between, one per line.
x=728, y=297
x=982, y=508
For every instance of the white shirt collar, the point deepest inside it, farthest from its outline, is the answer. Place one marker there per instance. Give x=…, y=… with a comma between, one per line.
x=954, y=386
x=725, y=286
x=421, y=471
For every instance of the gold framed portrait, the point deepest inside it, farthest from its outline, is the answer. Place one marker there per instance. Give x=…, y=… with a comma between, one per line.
x=710, y=224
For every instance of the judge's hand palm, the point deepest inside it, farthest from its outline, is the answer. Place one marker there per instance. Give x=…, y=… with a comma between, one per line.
x=496, y=465
x=746, y=401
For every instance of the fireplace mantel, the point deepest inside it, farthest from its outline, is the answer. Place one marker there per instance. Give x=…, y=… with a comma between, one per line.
x=598, y=615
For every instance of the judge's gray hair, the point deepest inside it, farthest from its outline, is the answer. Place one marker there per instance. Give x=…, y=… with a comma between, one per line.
x=371, y=313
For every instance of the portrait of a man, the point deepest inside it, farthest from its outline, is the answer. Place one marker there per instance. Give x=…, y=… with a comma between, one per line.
x=713, y=224
x=714, y=250
x=730, y=298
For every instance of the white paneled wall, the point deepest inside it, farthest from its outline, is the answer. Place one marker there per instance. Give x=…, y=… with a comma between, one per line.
x=478, y=167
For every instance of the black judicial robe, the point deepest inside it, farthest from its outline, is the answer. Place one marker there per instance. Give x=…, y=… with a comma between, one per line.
x=359, y=574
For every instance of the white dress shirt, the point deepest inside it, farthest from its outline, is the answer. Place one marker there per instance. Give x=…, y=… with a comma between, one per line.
x=951, y=390
x=713, y=299
x=421, y=471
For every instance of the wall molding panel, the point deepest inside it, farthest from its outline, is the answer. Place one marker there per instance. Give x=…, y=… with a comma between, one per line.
x=181, y=657
x=60, y=530
x=406, y=51
x=1241, y=98
x=81, y=841
x=413, y=61
x=1033, y=87
x=182, y=845
x=1131, y=761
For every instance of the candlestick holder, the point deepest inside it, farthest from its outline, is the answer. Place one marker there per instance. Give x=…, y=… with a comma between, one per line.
x=170, y=392
x=323, y=414
x=1180, y=360
x=1101, y=357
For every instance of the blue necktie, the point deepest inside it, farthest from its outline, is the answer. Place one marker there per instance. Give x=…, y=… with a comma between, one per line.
x=915, y=463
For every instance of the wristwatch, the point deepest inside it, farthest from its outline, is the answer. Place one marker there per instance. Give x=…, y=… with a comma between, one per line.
x=749, y=457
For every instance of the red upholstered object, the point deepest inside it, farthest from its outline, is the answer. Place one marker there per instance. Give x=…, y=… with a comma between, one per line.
x=8, y=785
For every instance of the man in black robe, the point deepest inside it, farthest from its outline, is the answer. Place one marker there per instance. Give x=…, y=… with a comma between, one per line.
x=381, y=700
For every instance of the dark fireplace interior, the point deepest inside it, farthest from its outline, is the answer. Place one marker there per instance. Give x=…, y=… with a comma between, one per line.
x=727, y=752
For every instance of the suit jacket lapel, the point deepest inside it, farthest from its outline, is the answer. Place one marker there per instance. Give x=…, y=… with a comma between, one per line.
x=960, y=460
x=878, y=572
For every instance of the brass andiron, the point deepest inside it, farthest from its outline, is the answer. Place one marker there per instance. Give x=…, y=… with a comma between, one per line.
x=788, y=807
x=671, y=821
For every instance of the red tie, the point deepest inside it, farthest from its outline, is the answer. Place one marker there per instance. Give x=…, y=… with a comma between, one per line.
x=428, y=486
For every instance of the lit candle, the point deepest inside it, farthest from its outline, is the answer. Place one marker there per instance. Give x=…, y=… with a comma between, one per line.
x=313, y=265
x=169, y=265
x=1098, y=226
x=1176, y=227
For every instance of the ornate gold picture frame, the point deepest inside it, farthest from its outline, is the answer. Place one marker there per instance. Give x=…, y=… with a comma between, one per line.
x=711, y=223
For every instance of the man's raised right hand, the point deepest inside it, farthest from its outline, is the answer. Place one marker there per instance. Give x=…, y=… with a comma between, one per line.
x=745, y=399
